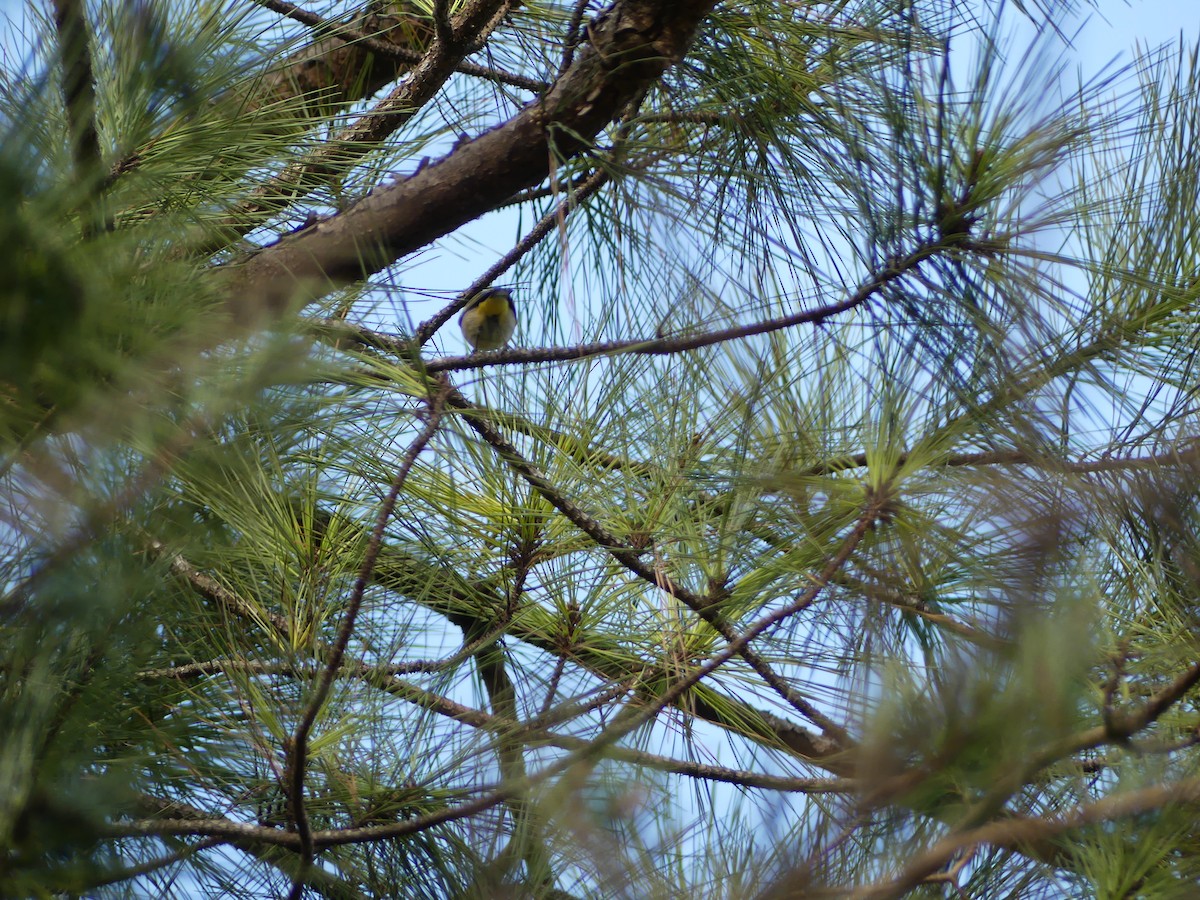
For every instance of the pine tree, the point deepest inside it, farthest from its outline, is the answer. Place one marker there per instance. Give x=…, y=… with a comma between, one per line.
x=828, y=529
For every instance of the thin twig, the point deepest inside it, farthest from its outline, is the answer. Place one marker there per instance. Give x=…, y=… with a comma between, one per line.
x=131, y=873
x=209, y=587
x=544, y=226
x=706, y=607
x=298, y=755
x=573, y=35
x=669, y=345
x=400, y=54
x=534, y=731
x=1015, y=832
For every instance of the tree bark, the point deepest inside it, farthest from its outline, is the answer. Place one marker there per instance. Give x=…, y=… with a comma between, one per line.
x=630, y=45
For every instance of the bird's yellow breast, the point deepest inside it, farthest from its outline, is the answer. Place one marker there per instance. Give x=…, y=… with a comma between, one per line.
x=495, y=305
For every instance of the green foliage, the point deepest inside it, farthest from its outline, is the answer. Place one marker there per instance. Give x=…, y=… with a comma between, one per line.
x=892, y=591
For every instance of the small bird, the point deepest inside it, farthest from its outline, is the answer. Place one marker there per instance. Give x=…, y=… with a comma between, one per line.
x=489, y=319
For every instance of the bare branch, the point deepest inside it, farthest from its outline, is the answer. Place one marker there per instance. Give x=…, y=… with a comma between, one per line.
x=1018, y=832
x=671, y=345
x=543, y=227
x=298, y=749
x=573, y=36
x=229, y=601
x=633, y=43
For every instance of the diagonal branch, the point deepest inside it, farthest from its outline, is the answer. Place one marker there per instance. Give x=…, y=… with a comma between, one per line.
x=665, y=346
x=543, y=227
x=425, y=79
x=298, y=751
x=79, y=92
x=389, y=50
x=633, y=42
x=1018, y=833
x=707, y=608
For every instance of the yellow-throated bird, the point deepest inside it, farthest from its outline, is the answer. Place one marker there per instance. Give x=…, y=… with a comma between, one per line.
x=489, y=319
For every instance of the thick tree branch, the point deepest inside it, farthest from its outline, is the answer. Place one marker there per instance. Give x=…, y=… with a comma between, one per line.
x=633, y=42
x=334, y=156
x=350, y=60
x=401, y=52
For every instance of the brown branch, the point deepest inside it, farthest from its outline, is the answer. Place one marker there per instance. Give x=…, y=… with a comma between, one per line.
x=1123, y=726
x=208, y=587
x=543, y=227
x=690, y=117
x=708, y=608
x=298, y=749
x=1018, y=833
x=398, y=52
x=425, y=79
x=441, y=21
x=669, y=345
x=420, y=666
x=633, y=42
x=254, y=845
x=79, y=93
x=573, y=35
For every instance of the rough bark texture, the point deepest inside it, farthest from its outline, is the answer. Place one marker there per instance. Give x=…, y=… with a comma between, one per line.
x=629, y=46
x=333, y=71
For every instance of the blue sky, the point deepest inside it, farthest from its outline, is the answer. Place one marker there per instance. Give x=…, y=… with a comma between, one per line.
x=1116, y=23
x=1114, y=30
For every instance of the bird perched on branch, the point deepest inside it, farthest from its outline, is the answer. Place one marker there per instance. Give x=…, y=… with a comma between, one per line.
x=489, y=319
